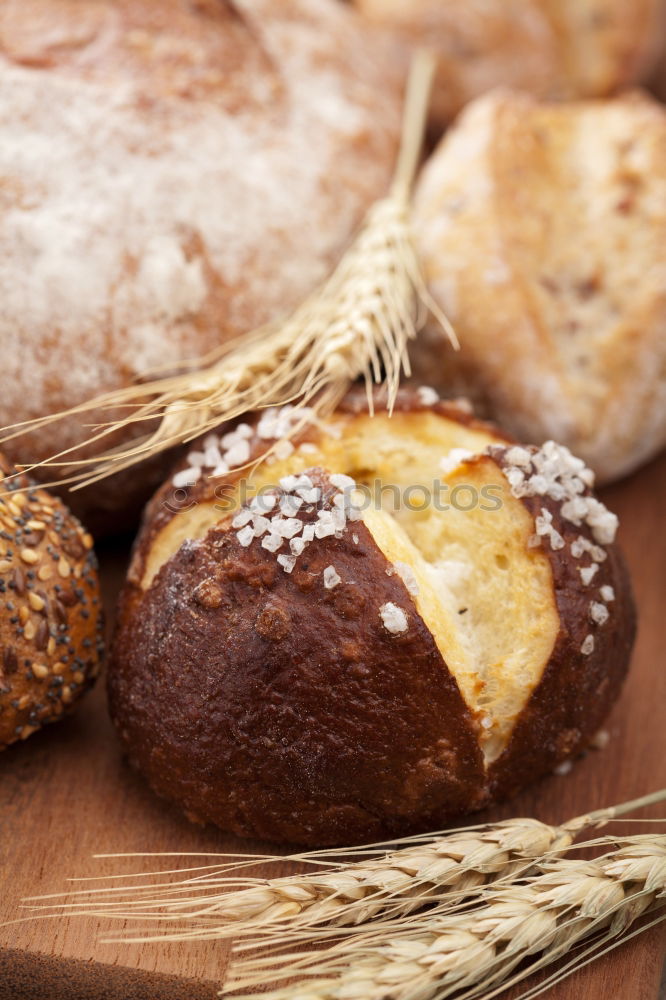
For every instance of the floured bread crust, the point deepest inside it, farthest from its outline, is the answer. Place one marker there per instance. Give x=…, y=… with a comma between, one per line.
x=542, y=231
x=549, y=48
x=314, y=667
x=172, y=174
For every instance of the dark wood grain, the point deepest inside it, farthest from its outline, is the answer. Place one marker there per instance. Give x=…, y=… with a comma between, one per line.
x=66, y=794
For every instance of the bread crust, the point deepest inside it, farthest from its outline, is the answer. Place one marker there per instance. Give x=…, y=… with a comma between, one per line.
x=541, y=232
x=50, y=611
x=548, y=48
x=213, y=161
x=275, y=707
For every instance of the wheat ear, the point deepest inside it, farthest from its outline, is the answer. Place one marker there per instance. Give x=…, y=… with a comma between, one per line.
x=476, y=952
x=357, y=324
x=391, y=880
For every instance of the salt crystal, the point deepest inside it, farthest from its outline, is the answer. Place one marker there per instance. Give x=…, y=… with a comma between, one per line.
x=599, y=613
x=607, y=593
x=242, y=517
x=563, y=768
x=588, y=645
x=406, y=574
x=342, y=482
x=331, y=578
x=393, y=618
x=287, y=562
x=238, y=454
x=272, y=542
x=245, y=535
x=587, y=573
x=454, y=458
x=261, y=525
x=427, y=396
x=283, y=449
x=187, y=477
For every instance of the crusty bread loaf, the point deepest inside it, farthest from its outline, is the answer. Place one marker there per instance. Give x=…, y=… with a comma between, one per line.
x=408, y=618
x=542, y=231
x=550, y=48
x=50, y=610
x=171, y=174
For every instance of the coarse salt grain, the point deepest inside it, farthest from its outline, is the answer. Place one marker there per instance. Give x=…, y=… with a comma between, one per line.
x=287, y=562
x=342, y=482
x=239, y=454
x=186, y=477
x=242, y=518
x=607, y=593
x=272, y=542
x=600, y=740
x=563, y=768
x=283, y=449
x=393, y=618
x=554, y=472
x=406, y=574
x=588, y=645
x=427, y=396
x=599, y=613
x=587, y=573
x=454, y=458
x=331, y=578
x=245, y=535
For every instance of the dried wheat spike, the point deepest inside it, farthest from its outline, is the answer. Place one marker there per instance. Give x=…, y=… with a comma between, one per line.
x=474, y=952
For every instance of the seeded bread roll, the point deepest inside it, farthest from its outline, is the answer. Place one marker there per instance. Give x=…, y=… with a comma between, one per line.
x=50, y=612
x=213, y=159
x=394, y=622
x=549, y=48
x=542, y=233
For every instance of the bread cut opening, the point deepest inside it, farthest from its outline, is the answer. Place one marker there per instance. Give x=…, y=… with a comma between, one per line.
x=485, y=594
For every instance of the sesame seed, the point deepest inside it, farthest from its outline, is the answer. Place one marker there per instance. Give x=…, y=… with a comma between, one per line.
x=40, y=671
x=5, y=565
x=29, y=556
x=30, y=631
x=64, y=569
x=36, y=602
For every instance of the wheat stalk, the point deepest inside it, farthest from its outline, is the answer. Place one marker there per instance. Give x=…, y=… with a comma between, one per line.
x=441, y=869
x=357, y=324
x=474, y=953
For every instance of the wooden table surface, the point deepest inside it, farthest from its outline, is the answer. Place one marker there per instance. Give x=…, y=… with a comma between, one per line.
x=66, y=794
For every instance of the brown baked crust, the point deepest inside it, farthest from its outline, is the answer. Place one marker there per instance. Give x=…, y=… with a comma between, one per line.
x=289, y=733
x=576, y=692
x=277, y=708
x=130, y=253
x=50, y=610
x=548, y=48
